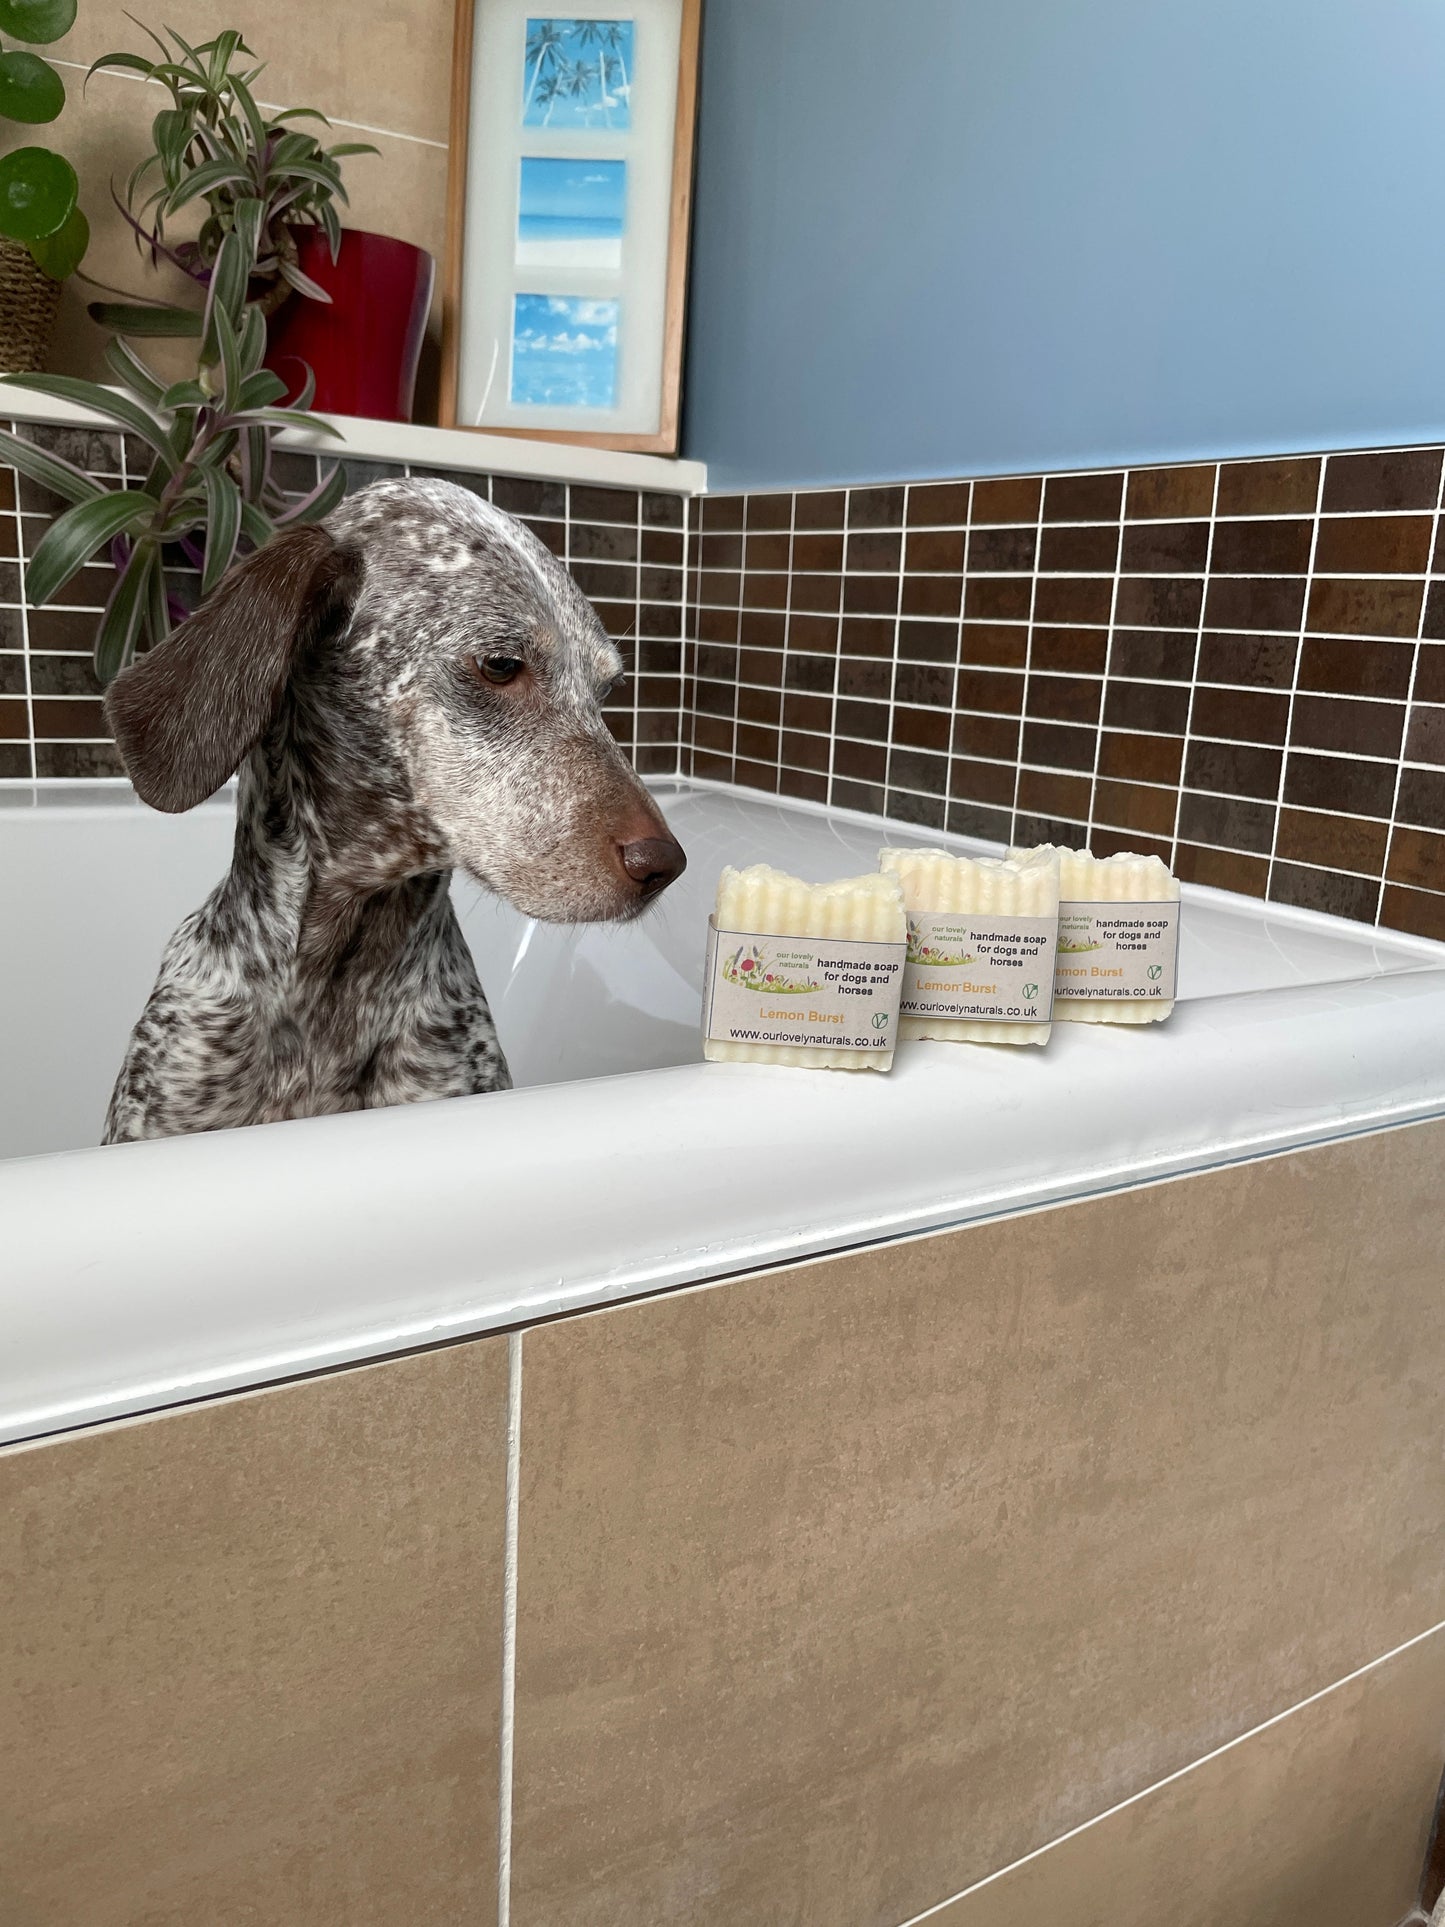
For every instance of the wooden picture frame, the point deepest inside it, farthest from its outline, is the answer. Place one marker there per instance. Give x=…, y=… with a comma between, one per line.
x=664, y=440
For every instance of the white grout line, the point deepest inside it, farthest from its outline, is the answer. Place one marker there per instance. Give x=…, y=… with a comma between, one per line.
x=783, y=672
x=892, y=658
x=268, y=106
x=1304, y=621
x=1193, y=682
x=1109, y=649
x=1028, y=648
x=507, y=1734
x=1229, y=1746
x=1410, y=696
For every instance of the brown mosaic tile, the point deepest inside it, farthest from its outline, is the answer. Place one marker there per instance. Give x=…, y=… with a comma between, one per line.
x=1083, y=651
x=812, y=631
x=1141, y=759
x=976, y=820
x=1014, y=499
x=1263, y=662
x=1287, y=487
x=865, y=720
x=1261, y=548
x=1421, y=801
x=922, y=682
x=1327, y=890
x=1079, y=550
x=60, y=717
x=809, y=785
x=991, y=549
x=866, y=636
x=770, y=551
x=1058, y=746
x=1356, y=667
x=1161, y=708
x=1373, y=545
x=663, y=511
x=865, y=762
x=1066, y=599
x=800, y=751
x=921, y=728
x=14, y=719
x=928, y=641
x=820, y=593
x=825, y=508
x=1165, y=548
x=1170, y=493
x=1158, y=602
x=586, y=504
x=1254, y=602
x=1135, y=806
x=1064, y=699
x=1332, y=841
x=938, y=504
x=1165, y=655
x=857, y=677
x=1030, y=828
x=762, y=628
x=1432, y=623
x=916, y=769
x=1341, y=723
x=818, y=552
x=71, y=630
x=763, y=667
x=818, y=673
x=991, y=690
x=77, y=762
x=757, y=744
x=1083, y=498
x=1418, y=911
x=1350, y=784
x=722, y=512
x=1417, y=858
x=1051, y=793
x=14, y=761
x=981, y=782
x=936, y=551
x=766, y=512
x=932, y=595
x=995, y=738
x=868, y=797
x=12, y=673
x=602, y=543
x=871, y=594
x=928, y=812
x=1222, y=869
x=1230, y=822
x=764, y=591
x=875, y=508
x=1007, y=599
x=756, y=776
x=808, y=712
x=1233, y=769
x=763, y=706
x=875, y=550
x=1425, y=742
x=1396, y=478
x=1365, y=608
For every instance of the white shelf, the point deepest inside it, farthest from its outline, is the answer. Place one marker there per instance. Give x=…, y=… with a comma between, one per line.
x=459, y=448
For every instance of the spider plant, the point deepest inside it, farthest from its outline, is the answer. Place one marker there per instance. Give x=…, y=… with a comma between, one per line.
x=38, y=187
x=263, y=179
x=208, y=488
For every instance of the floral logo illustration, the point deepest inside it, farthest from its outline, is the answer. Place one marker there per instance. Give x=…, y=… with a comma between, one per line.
x=1070, y=949
x=750, y=969
x=933, y=955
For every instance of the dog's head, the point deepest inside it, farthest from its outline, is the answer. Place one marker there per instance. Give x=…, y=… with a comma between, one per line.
x=443, y=676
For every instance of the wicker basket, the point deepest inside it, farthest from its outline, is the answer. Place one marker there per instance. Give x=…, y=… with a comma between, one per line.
x=29, y=301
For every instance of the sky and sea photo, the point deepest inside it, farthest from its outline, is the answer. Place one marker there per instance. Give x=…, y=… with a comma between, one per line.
x=564, y=351
x=570, y=213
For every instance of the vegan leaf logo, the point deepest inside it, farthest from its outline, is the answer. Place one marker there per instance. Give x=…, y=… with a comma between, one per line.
x=1156, y=971
x=880, y=1020
x=1031, y=991
x=750, y=968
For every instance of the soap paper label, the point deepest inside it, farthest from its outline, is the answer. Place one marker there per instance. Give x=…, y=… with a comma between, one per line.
x=811, y=991
x=1119, y=950
x=980, y=968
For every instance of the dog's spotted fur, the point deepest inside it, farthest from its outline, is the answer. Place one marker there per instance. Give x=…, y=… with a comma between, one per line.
x=339, y=667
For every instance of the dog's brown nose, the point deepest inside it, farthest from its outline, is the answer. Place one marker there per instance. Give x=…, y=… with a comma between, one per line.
x=653, y=862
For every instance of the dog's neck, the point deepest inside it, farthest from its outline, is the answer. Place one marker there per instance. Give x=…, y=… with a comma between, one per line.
x=334, y=866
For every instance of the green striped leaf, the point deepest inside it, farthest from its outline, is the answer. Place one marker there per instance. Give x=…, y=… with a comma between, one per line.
x=71, y=540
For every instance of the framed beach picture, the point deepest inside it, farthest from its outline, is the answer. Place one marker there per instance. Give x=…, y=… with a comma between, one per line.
x=567, y=214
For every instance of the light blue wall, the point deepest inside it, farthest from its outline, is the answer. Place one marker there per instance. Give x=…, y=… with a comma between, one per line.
x=951, y=237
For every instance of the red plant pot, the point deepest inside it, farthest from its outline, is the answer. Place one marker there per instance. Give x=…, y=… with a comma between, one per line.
x=363, y=348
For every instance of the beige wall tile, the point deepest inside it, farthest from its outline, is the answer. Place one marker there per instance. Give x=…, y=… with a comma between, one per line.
x=249, y=1669
x=366, y=60
x=1321, y=1821
x=844, y=1586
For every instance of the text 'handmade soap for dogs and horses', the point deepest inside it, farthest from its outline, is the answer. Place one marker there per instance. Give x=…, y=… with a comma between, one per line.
x=804, y=974
x=982, y=935
x=1118, y=959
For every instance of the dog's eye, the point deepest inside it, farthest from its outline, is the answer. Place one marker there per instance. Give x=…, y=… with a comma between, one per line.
x=499, y=668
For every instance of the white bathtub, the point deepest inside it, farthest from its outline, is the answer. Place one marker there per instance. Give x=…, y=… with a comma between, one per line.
x=141, y=1276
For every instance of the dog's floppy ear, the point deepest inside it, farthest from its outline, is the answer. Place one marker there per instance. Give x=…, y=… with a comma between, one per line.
x=185, y=713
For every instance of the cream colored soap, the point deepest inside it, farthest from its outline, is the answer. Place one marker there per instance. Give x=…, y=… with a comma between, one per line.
x=1085, y=878
x=769, y=903
x=1021, y=885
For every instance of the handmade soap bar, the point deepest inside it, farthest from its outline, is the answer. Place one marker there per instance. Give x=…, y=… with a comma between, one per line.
x=804, y=974
x=1117, y=964
x=982, y=933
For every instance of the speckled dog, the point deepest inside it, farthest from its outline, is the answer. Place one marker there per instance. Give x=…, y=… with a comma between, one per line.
x=413, y=685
